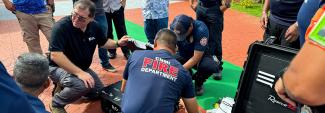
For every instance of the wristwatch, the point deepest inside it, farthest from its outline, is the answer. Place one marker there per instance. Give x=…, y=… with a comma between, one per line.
x=117, y=45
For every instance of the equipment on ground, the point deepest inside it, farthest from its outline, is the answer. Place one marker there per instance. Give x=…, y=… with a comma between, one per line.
x=111, y=98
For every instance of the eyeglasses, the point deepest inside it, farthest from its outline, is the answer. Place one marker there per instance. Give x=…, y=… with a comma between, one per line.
x=79, y=17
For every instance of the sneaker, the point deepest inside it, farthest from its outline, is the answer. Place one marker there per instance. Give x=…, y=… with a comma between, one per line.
x=57, y=109
x=111, y=55
x=109, y=68
x=199, y=90
x=57, y=88
x=217, y=76
x=215, y=58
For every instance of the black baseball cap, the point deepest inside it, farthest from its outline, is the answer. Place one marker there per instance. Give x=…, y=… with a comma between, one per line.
x=180, y=26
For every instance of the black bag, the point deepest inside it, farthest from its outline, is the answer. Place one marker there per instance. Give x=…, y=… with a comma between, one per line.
x=255, y=92
x=111, y=98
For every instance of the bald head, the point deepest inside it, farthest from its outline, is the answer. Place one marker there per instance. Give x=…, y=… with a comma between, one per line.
x=166, y=38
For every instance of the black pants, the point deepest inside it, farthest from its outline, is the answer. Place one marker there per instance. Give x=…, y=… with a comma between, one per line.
x=213, y=19
x=119, y=23
x=278, y=30
x=205, y=68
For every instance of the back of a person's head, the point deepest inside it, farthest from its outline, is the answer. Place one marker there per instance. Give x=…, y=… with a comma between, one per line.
x=31, y=70
x=167, y=38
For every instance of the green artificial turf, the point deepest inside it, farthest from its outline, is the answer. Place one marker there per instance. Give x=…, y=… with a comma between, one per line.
x=215, y=89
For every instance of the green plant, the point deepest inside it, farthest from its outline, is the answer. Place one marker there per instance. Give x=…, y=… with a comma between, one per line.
x=255, y=10
x=247, y=3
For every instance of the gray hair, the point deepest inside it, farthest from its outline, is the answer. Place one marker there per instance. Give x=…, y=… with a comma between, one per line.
x=86, y=5
x=31, y=70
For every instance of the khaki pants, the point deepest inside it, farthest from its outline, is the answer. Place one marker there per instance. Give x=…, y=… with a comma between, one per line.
x=31, y=24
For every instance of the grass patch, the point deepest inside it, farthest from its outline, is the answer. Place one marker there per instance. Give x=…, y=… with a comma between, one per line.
x=255, y=10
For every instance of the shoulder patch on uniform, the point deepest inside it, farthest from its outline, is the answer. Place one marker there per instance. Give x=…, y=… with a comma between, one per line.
x=204, y=41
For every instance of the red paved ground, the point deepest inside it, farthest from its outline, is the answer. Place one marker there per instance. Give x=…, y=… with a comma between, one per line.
x=239, y=31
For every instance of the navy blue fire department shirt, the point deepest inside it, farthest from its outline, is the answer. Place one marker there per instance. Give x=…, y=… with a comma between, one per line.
x=200, y=35
x=155, y=83
x=13, y=99
x=77, y=45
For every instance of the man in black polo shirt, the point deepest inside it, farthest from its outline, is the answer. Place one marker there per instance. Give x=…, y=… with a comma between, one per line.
x=74, y=40
x=211, y=13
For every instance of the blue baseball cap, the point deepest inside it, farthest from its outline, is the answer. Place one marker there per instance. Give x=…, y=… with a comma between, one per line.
x=180, y=26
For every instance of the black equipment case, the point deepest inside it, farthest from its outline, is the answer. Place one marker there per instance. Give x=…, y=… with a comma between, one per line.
x=255, y=92
x=111, y=98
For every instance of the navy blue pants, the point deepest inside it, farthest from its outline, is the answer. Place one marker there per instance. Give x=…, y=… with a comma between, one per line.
x=119, y=24
x=152, y=26
x=205, y=68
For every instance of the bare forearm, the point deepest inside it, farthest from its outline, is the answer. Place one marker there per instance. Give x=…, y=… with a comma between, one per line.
x=5, y=1
x=307, y=92
x=51, y=2
x=191, y=105
x=110, y=44
x=60, y=59
x=194, y=60
x=304, y=79
x=190, y=63
x=223, y=8
x=123, y=85
x=123, y=3
x=266, y=6
x=225, y=5
x=191, y=2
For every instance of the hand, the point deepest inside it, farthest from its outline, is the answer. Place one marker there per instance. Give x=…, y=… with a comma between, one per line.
x=292, y=33
x=50, y=8
x=87, y=79
x=280, y=90
x=223, y=8
x=123, y=41
x=264, y=20
x=193, y=6
x=9, y=6
x=123, y=2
